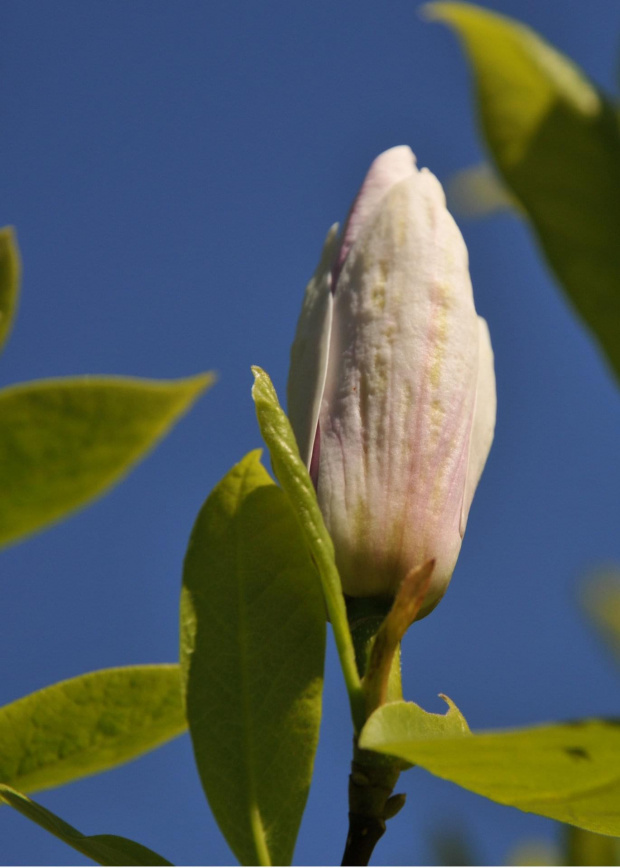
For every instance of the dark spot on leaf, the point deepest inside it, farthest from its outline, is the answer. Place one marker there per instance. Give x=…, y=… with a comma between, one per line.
x=578, y=753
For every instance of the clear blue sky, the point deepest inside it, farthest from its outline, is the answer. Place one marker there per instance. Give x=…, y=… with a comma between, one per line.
x=171, y=169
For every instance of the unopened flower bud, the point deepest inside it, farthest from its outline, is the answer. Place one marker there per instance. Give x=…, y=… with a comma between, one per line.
x=391, y=390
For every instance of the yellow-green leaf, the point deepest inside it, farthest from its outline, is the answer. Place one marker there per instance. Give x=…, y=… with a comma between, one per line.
x=555, y=141
x=295, y=480
x=566, y=771
x=9, y=281
x=64, y=442
x=88, y=724
x=252, y=647
x=404, y=721
x=103, y=849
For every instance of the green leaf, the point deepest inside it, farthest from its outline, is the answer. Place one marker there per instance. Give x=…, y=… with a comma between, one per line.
x=63, y=442
x=9, y=281
x=104, y=849
x=295, y=480
x=406, y=721
x=602, y=603
x=88, y=724
x=555, y=141
x=567, y=771
x=252, y=648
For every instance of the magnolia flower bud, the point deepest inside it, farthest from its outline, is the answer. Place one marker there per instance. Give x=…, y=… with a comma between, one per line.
x=391, y=390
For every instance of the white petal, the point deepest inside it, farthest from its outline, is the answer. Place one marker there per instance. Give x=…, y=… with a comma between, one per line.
x=387, y=169
x=310, y=349
x=483, y=425
x=399, y=397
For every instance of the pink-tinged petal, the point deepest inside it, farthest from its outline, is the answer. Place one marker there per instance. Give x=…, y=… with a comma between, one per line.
x=483, y=426
x=388, y=169
x=398, y=403
x=392, y=390
x=309, y=352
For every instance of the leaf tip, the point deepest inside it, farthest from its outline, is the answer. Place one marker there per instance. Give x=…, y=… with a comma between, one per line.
x=263, y=389
x=433, y=12
x=8, y=237
x=253, y=458
x=194, y=387
x=454, y=710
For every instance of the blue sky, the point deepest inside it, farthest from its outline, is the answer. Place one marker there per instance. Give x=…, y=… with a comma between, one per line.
x=171, y=169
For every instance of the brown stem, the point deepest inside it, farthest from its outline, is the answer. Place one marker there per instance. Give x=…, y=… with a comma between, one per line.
x=364, y=832
x=371, y=804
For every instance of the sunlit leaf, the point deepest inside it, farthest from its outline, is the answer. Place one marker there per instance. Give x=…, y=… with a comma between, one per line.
x=63, y=442
x=295, y=480
x=252, y=647
x=556, y=143
x=399, y=721
x=88, y=724
x=103, y=849
x=9, y=281
x=567, y=771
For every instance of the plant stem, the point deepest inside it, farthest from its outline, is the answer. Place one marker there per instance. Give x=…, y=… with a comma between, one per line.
x=373, y=776
x=371, y=804
x=345, y=646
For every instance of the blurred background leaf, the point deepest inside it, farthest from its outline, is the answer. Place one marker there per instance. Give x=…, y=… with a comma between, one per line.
x=9, y=281
x=555, y=141
x=64, y=442
x=451, y=844
x=601, y=599
x=586, y=848
x=533, y=852
x=478, y=192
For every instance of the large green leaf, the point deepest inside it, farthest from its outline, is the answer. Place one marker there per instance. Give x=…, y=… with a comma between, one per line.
x=63, y=442
x=555, y=141
x=88, y=724
x=9, y=281
x=252, y=647
x=295, y=480
x=104, y=849
x=566, y=771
